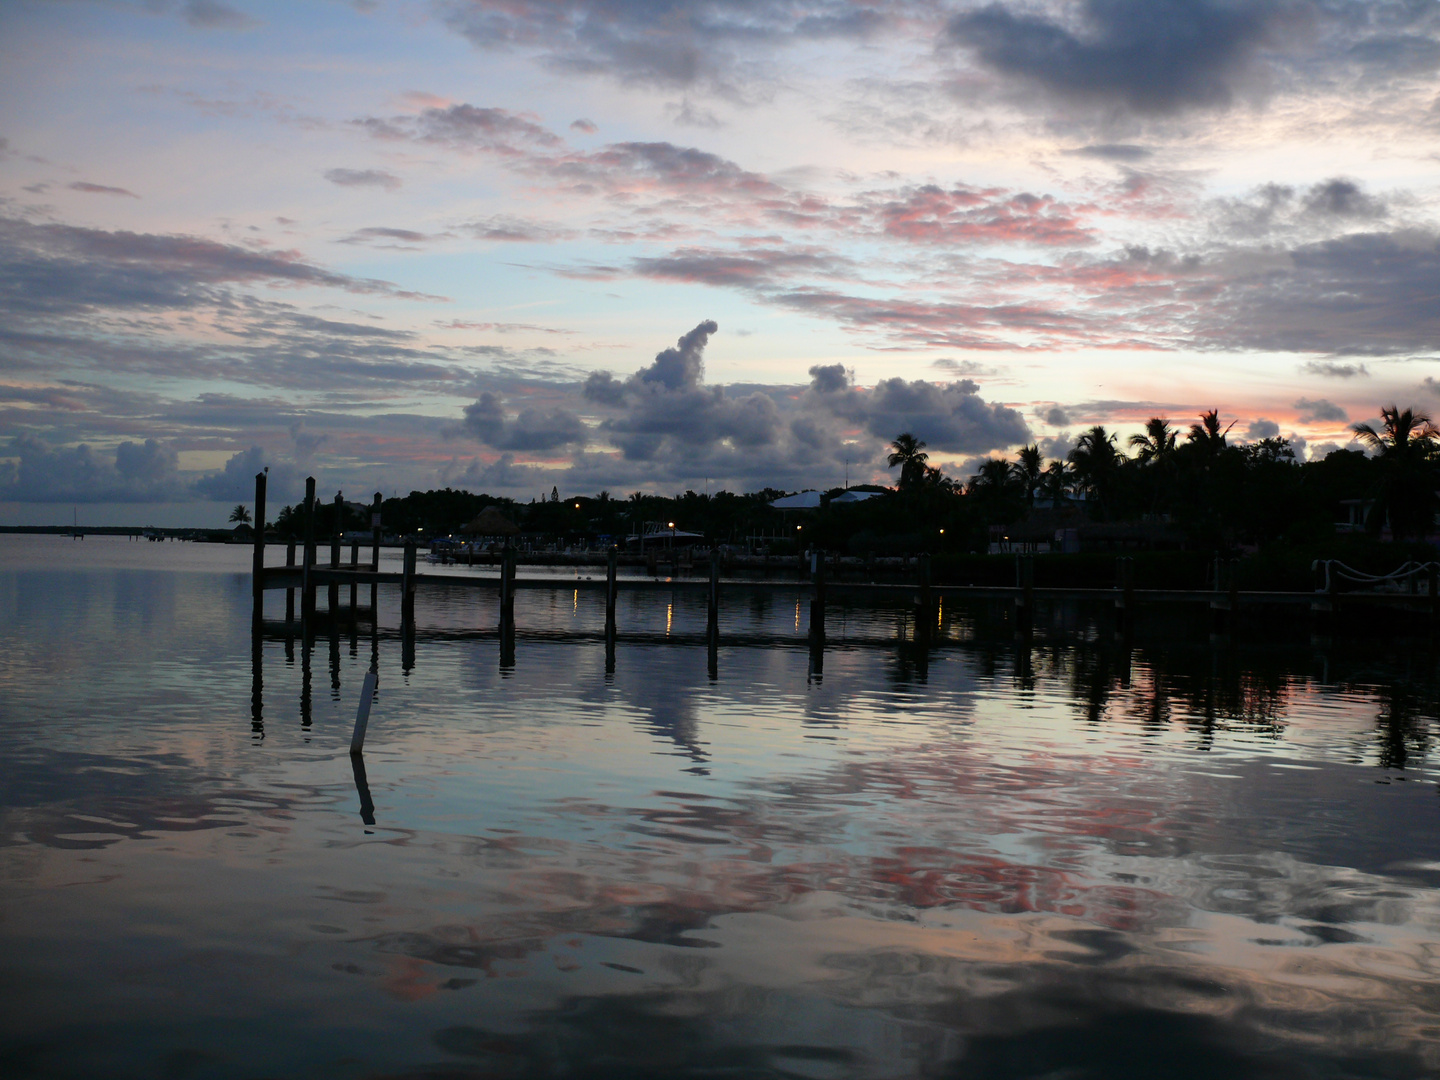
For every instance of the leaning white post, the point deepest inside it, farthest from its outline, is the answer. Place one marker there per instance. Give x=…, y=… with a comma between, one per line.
x=362, y=714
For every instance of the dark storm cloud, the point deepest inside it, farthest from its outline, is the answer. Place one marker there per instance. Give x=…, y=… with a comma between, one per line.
x=63, y=269
x=532, y=429
x=363, y=178
x=1343, y=198
x=1151, y=56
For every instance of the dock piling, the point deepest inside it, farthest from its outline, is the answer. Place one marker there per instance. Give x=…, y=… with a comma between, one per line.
x=333, y=593
x=289, y=592
x=354, y=585
x=362, y=712
x=258, y=562
x=307, y=578
x=375, y=538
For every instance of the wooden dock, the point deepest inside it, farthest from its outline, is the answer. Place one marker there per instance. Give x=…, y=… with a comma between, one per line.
x=304, y=574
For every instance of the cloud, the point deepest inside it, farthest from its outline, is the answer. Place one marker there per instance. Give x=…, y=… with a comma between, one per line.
x=139, y=472
x=1330, y=369
x=1366, y=293
x=54, y=269
x=933, y=215
x=585, y=127
x=213, y=15
x=101, y=189
x=1262, y=429
x=1113, y=152
x=664, y=43
x=531, y=430
x=1149, y=56
x=509, y=229
x=1320, y=411
x=379, y=235
x=236, y=482
x=950, y=417
x=1343, y=198
x=465, y=127
x=363, y=178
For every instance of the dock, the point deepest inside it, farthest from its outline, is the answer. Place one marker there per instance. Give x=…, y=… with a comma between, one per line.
x=304, y=575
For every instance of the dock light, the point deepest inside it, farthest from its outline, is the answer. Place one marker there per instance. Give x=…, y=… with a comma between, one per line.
x=672, y=524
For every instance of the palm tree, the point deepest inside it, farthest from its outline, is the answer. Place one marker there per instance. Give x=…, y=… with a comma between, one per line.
x=1157, y=443
x=1055, y=484
x=240, y=514
x=1207, y=436
x=1405, y=450
x=1095, y=462
x=910, y=456
x=1029, y=468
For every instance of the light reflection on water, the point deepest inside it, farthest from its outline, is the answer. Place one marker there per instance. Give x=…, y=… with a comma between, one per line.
x=989, y=859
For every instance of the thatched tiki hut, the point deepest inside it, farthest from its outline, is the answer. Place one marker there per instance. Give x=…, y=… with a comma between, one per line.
x=490, y=522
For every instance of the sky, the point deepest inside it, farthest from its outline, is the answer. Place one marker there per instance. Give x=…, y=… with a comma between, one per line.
x=510, y=245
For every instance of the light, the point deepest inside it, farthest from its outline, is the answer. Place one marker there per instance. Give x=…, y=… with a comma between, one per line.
x=577, y=506
x=672, y=524
x=799, y=527
x=942, y=532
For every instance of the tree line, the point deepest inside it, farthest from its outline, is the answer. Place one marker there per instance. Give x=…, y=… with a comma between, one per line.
x=1212, y=493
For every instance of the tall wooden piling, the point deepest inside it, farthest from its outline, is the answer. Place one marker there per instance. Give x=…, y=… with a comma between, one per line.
x=507, y=606
x=307, y=574
x=333, y=593
x=289, y=592
x=612, y=591
x=375, y=538
x=712, y=613
x=817, y=600
x=257, y=576
x=354, y=585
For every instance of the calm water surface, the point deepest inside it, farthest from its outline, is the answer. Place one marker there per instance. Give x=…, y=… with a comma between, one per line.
x=1070, y=859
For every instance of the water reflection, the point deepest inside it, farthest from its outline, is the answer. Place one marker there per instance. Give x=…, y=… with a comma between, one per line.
x=982, y=854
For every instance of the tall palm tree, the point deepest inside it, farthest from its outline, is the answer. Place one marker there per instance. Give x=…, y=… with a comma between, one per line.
x=1405, y=450
x=1157, y=443
x=1055, y=483
x=909, y=454
x=1095, y=463
x=1029, y=467
x=1207, y=436
x=240, y=514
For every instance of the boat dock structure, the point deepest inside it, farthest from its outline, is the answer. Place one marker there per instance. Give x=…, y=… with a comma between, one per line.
x=305, y=575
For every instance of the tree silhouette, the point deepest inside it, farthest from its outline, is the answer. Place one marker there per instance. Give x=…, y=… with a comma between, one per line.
x=1095, y=464
x=909, y=454
x=240, y=514
x=1158, y=442
x=1405, y=450
x=1029, y=468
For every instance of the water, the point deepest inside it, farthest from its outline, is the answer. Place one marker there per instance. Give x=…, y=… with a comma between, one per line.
x=1072, y=860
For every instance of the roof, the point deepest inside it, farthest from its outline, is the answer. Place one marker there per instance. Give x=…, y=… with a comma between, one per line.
x=805, y=500
x=855, y=497
x=490, y=522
